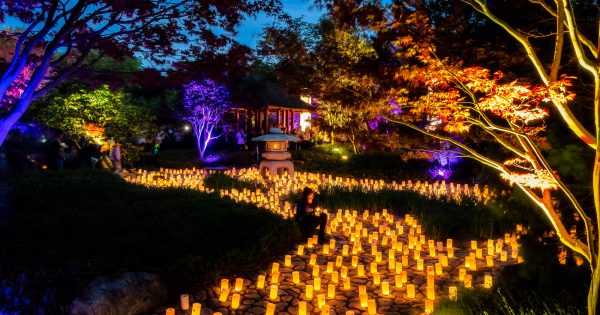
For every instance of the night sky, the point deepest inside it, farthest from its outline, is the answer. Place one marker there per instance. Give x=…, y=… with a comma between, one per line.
x=249, y=32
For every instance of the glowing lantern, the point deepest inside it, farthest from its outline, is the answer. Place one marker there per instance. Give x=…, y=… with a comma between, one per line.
x=331, y=291
x=438, y=269
x=428, y=306
x=363, y=300
x=430, y=280
x=170, y=311
x=270, y=309
x=449, y=243
x=452, y=293
x=430, y=293
x=344, y=272
x=196, y=308
x=320, y=300
x=300, y=250
x=224, y=284
x=223, y=295
x=489, y=261
x=473, y=245
x=410, y=291
x=349, y=312
x=338, y=261
x=313, y=259
x=468, y=281
x=235, y=301
x=354, y=261
x=420, y=264
x=361, y=270
x=308, y=291
x=273, y=293
x=487, y=281
x=346, y=283
x=450, y=252
x=184, y=300
x=260, y=282
x=317, y=284
x=376, y=278
x=503, y=256
x=461, y=274
x=325, y=310
x=239, y=284
x=345, y=250
x=373, y=267
x=315, y=271
x=275, y=277
x=385, y=288
x=372, y=309
x=417, y=254
x=288, y=260
x=295, y=277
x=302, y=308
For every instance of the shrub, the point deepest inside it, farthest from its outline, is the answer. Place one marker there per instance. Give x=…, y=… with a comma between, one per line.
x=219, y=180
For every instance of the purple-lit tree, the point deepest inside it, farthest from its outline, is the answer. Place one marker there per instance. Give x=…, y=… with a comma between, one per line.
x=55, y=38
x=205, y=103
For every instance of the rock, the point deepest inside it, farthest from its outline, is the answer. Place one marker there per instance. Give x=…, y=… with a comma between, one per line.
x=130, y=294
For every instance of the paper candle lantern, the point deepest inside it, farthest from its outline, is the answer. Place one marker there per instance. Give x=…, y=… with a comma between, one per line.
x=503, y=256
x=275, y=268
x=385, y=288
x=275, y=277
x=185, y=301
x=410, y=291
x=461, y=274
x=430, y=280
x=443, y=260
x=430, y=293
x=331, y=291
x=373, y=267
x=452, y=293
x=489, y=261
x=321, y=300
x=170, y=311
x=404, y=277
x=344, y=272
x=346, y=283
x=273, y=292
x=364, y=300
x=317, y=284
x=487, y=281
x=260, y=282
x=196, y=308
x=468, y=281
x=313, y=259
x=302, y=308
x=438, y=269
x=223, y=295
x=308, y=291
x=398, y=281
x=330, y=267
x=239, y=284
x=419, y=264
x=326, y=249
x=372, y=307
x=332, y=243
x=473, y=245
x=235, y=301
x=405, y=260
x=354, y=261
x=345, y=250
x=325, y=310
x=349, y=312
x=417, y=254
x=315, y=271
x=270, y=309
x=224, y=284
x=450, y=252
x=338, y=261
x=361, y=270
x=376, y=278
x=288, y=260
x=428, y=306
x=295, y=277
x=300, y=250
x=479, y=253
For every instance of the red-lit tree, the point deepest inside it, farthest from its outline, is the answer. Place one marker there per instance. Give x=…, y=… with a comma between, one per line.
x=204, y=105
x=65, y=32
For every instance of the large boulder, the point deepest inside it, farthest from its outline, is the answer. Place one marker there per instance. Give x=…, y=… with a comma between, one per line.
x=130, y=294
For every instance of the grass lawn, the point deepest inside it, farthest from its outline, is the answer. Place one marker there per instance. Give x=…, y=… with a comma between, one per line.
x=62, y=230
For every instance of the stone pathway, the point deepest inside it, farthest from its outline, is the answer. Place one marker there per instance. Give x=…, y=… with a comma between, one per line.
x=374, y=263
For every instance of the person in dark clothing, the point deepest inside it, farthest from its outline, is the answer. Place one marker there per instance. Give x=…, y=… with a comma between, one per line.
x=308, y=216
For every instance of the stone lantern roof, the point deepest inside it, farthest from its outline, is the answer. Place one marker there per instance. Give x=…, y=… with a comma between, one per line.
x=275, y=134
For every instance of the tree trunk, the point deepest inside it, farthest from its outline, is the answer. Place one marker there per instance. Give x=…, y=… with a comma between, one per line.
x=594, y=290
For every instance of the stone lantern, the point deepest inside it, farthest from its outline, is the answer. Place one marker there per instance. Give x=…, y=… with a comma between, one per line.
x=276, y=157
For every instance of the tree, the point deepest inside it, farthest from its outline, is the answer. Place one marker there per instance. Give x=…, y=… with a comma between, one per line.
x=205, y=103
x=101, y=112
x=65, y=32
x=574, y=21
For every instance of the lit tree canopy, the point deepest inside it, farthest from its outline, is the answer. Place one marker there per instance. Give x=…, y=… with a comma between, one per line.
x=205, y=103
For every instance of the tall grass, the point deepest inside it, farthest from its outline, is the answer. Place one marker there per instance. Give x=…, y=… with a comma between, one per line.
x=441, y=217
x=219, y=180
